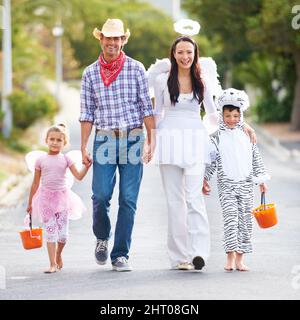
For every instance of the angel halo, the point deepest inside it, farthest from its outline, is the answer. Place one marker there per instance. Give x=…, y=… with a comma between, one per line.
x=187, y=27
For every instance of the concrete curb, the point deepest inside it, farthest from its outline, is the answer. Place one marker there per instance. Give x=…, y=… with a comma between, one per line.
x=273, y=145
x=13, y=193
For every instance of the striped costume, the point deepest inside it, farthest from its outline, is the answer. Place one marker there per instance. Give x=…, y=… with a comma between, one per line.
x=239, y=166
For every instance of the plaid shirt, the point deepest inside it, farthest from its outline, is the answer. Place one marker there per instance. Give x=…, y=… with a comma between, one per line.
x=123, y=104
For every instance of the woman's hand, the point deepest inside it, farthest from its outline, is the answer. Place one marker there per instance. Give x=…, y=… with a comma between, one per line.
x=250, y=132
x=148, y=151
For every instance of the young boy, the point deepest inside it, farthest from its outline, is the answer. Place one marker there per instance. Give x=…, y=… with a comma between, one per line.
x=239, y=166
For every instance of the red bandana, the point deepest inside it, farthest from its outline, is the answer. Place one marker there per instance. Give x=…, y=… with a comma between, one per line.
x=110, y=71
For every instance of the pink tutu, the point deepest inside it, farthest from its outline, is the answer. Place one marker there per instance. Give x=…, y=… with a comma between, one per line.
x=46, y=203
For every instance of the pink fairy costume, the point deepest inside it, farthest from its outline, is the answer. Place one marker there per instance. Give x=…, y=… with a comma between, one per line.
x=54, y=202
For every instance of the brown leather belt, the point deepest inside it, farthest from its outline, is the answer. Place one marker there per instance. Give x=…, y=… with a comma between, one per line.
x=120, y=133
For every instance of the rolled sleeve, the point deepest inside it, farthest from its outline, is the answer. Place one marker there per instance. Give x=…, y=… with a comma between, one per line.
x=87, y=103
x=144, y=97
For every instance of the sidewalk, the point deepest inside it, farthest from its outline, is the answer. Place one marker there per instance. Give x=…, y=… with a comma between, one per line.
x=279, y=140
x=281, y=131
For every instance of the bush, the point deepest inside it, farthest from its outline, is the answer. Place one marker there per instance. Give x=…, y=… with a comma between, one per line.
x=1, y=117
x=269, y=109
x=26, y=108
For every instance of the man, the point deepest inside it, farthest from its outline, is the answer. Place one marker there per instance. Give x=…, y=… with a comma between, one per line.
x=115, y=98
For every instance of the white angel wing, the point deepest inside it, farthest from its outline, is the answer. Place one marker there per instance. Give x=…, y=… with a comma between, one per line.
x=76, y=156
x=210, y=75
x=159, y=67
x=31, y=158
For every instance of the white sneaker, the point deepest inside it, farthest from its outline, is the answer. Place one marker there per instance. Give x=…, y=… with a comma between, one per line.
x=185, y=266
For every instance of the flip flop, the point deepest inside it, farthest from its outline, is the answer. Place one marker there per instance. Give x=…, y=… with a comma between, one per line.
x=49, y=271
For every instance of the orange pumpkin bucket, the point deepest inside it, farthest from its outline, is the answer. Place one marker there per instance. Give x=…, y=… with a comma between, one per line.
x=265, y=214
x=32, y=238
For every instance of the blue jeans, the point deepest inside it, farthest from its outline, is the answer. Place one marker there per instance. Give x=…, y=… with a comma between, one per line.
x=109, y=154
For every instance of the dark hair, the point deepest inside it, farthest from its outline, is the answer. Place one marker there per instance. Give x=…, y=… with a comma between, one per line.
x=173, y=84
x=230, y=108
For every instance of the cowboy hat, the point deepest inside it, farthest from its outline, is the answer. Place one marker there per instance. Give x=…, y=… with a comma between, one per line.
x=112, y=28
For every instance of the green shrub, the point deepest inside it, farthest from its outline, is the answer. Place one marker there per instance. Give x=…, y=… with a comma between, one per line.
x=26, y=108
x=269, y=109
x=1, y=117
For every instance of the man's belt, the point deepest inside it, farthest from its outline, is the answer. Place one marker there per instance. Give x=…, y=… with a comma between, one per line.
x=120, y=133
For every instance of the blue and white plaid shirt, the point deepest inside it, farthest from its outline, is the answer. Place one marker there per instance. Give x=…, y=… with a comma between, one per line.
x=123, y=104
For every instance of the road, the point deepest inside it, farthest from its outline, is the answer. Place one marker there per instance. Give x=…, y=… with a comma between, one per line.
x=275, y=262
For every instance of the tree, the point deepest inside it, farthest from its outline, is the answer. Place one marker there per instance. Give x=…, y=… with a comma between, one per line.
x=148, y=41
x=272, y=30
x=225, y=21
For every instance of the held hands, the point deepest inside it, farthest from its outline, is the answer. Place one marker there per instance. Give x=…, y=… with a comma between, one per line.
x=206, y=187
x=86, y=158
x=263, y=187
x=148, y=151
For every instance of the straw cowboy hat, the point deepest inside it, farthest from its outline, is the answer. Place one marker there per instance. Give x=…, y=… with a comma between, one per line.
x=112, y=28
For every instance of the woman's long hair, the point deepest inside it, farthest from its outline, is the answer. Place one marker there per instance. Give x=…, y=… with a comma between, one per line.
x=173, y=83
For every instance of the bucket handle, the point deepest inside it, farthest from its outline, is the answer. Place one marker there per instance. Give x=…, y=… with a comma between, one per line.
x=30, y=229
x=263, y=200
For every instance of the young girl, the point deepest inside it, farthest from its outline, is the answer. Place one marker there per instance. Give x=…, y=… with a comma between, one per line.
x=53, y=202
x=239, y=166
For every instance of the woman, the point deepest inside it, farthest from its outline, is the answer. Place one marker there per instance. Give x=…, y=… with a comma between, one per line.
x=182, y=148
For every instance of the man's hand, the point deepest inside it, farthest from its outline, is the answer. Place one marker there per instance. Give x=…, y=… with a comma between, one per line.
x=148, y=151
x=86, y=158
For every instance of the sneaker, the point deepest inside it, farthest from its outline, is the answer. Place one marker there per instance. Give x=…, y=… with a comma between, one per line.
x=185, y=266
x=198, y=263
x=121, y=264
x=101, y=251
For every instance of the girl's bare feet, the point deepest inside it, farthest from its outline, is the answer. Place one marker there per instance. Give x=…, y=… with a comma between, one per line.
x=239, y=264
x=52, y=269
x=59, y=262
x=230, y=261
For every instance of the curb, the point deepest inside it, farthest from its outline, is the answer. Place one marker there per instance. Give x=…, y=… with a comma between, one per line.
x=13, y=192
x=273, y=145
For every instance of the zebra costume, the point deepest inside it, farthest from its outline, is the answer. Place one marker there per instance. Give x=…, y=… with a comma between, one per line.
x=239, y=165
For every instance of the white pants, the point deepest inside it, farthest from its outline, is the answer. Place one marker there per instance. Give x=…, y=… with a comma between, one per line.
x=188, y=228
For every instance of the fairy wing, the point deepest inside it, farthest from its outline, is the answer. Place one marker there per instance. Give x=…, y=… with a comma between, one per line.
x=31, y=158
x=159, y=67
x=74, y=155
x=210, y=75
